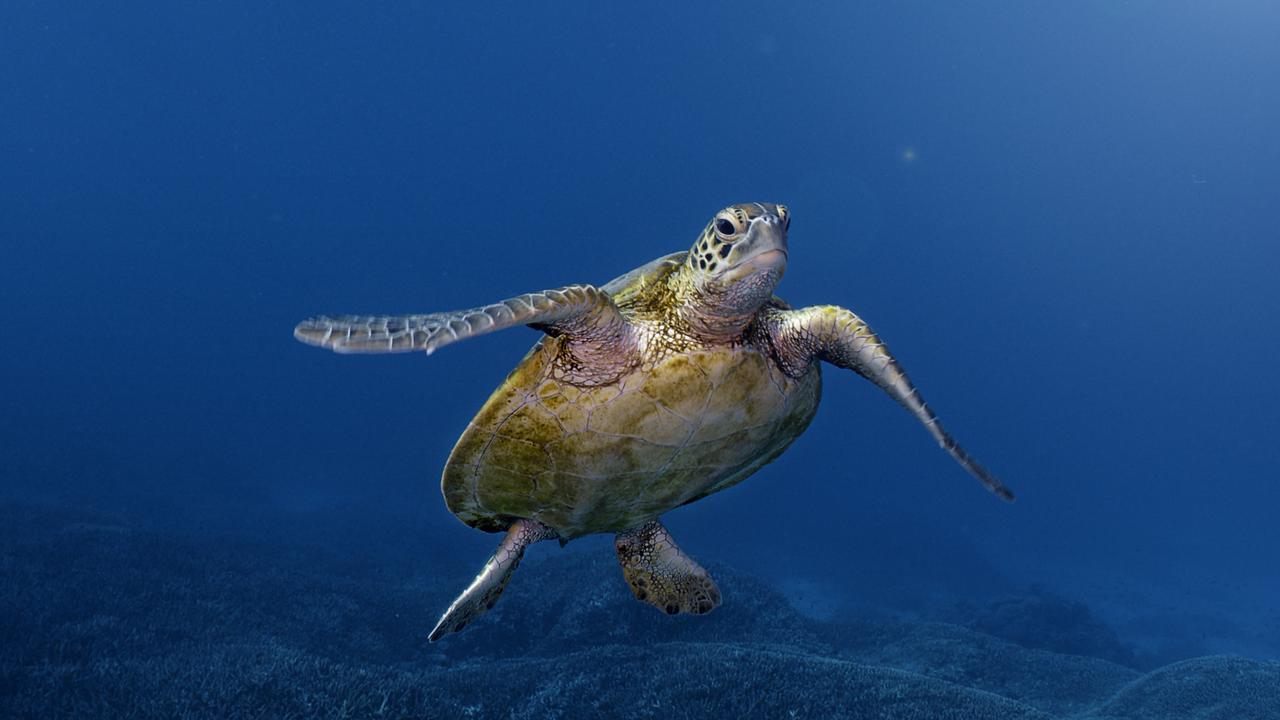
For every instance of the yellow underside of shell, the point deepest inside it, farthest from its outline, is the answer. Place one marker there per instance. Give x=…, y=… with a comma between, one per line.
x=585, y=460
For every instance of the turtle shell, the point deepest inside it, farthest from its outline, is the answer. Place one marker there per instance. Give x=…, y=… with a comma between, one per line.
x=604, y=458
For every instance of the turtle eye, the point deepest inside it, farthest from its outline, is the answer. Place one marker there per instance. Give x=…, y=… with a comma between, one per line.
x=725, y=227
x=785, y=216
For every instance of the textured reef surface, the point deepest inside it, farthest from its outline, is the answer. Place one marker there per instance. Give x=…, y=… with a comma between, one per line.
x=103, y=618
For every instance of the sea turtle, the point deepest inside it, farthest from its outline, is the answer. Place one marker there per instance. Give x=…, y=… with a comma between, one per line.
x=672, y=382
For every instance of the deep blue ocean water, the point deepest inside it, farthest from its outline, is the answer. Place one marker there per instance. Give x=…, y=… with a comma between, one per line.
x=1061, y=217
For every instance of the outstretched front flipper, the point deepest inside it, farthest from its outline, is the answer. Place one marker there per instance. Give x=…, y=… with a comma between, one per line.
x=483, y=592
x=581, y=311
x=660, y=574
x=838, y=336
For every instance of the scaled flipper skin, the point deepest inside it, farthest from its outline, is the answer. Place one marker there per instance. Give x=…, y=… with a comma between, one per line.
x=580, y=311
x=483, y=592
x=838, y=336
x=660, y=574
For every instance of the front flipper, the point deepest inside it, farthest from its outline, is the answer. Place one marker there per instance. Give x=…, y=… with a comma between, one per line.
x=663, y=576
x=580, y=311
x=483, y=592
x=841, y=338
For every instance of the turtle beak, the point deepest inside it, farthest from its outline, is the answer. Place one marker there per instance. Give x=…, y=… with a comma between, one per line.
x=764, y=248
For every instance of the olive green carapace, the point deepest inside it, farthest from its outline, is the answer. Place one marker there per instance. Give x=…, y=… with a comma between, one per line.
x=606, y=458
x=670, y=383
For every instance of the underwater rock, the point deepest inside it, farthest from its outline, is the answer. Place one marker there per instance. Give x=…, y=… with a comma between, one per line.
x=1053, y=682
x=102, y=619
x=1208, y=688
x=1041, y=619
x=675, y=680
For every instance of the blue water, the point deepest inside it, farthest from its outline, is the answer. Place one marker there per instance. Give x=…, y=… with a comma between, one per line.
x=1062, y=219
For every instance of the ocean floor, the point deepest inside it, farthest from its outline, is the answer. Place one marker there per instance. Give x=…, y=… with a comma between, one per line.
x=103, y=617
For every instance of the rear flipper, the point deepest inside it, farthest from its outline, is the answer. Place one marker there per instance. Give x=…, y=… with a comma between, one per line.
x=483, y=592
x=663, y=576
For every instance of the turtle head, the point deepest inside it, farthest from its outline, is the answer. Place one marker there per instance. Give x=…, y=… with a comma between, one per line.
x=739, y=259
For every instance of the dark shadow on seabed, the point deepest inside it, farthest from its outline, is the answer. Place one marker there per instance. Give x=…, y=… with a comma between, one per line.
x=102, y=616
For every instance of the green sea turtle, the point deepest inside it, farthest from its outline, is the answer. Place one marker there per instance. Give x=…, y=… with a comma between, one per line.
x=672, y=382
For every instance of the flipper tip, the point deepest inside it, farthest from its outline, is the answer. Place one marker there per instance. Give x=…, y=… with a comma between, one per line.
x=310, y=332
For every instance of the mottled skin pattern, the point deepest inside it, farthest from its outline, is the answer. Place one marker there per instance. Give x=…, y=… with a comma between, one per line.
x=655, y=567
x=672, y=382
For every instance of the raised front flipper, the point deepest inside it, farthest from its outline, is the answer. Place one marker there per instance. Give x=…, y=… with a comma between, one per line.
x=483, y=592
x=660, y=574
x=838, y=336
x=580, y=311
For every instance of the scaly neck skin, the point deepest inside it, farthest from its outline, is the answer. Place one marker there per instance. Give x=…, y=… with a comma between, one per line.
x=719, y=313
